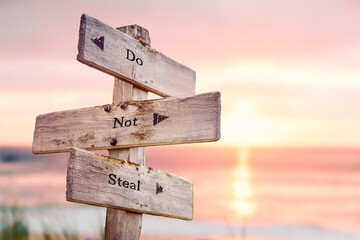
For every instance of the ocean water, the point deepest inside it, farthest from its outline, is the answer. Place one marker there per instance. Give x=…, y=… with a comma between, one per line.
x=239, y=193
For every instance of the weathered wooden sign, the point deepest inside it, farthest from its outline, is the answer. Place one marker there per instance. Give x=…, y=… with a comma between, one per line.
x=107, y=182
x=131, y=124
x=125, y=127
x=113, y=52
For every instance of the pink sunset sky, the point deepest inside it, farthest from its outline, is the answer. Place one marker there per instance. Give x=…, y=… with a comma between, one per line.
x=288, y=71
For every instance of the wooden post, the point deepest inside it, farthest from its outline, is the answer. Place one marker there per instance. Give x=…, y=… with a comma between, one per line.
x=123, y=225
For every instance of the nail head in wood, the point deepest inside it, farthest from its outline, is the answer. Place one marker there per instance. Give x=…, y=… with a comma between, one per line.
x=122, y=106
x=113, y=142
x=107, y=108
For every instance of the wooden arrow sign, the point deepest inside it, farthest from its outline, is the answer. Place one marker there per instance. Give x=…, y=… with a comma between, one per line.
x=113, y=52
x=131, y=124
x=107, y=182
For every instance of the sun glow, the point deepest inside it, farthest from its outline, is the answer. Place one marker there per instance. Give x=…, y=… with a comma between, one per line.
x=246, y=114
x=245, y=122
x=243, y=203
x=247, y=126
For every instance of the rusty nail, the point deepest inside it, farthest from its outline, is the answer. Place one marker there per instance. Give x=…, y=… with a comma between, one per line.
x=107, y=108
x=113, y=142
x=122, y=105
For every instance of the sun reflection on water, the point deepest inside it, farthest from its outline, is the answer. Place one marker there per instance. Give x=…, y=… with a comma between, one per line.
x=243, y=201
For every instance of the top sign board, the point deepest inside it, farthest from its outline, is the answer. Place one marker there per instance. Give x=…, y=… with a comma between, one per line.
x=113, y=52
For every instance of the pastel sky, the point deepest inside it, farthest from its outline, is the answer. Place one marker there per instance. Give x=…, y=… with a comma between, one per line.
x=288, y=70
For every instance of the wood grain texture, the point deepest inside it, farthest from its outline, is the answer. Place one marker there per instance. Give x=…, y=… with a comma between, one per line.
x=94, y=179
x=158, y=73
x=122, y=225
x=137, y=32
x=190, y=120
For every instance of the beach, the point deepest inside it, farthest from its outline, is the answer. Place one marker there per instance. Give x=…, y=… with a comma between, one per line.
x=261, y=193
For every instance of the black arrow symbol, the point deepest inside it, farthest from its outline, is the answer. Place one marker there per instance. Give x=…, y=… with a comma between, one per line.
x=159, y=188
x=159, y=118
x=99, y=41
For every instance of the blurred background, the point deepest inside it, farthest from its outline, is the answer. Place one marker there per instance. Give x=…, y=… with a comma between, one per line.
x=287, y=166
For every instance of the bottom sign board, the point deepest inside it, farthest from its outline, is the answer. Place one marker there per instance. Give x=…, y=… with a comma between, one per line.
x=108, y=182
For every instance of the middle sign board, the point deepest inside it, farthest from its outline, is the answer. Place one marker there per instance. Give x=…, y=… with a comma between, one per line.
x=163, y=121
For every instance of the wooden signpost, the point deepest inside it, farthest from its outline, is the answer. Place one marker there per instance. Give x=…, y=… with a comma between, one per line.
x=121, y=181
